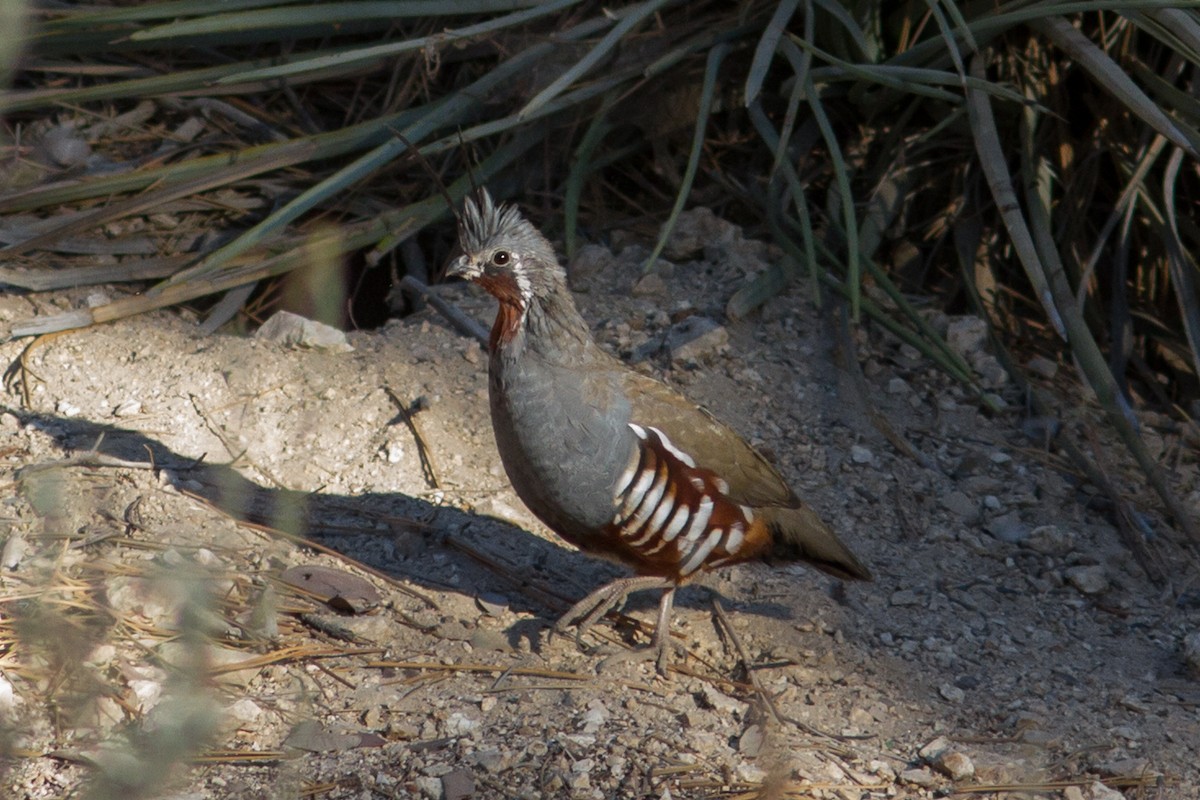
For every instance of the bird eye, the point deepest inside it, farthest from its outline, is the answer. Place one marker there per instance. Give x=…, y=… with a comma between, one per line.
x=500, y=258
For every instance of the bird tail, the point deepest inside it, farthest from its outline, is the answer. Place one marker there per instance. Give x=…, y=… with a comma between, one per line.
x=798, y=534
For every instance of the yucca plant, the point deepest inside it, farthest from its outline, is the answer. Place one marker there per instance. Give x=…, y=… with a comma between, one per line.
x=1032, y=162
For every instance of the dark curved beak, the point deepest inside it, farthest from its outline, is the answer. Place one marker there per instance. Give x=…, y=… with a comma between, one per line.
x=462, y=267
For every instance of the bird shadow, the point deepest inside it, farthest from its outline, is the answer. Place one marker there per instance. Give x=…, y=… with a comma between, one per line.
x=531, y=574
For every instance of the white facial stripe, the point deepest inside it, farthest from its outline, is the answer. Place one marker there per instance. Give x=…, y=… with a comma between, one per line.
x=639, y=430
x=749, y=512
x=701, y=552
x=523, y=285
x=673, y=450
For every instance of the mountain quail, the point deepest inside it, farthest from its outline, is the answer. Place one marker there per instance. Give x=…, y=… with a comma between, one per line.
x=617, y=463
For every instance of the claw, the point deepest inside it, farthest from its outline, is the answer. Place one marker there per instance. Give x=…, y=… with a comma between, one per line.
x=588, y=611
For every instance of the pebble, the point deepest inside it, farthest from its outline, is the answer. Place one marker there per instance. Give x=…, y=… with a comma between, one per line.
x=1090, y=579
x=905, y=597
x=651, y=285
x=1050, y=540
x=860, y=454
x=751, y=741
x=898, y=386
x=1042, y=367
x=67, y=408
x=293, y=330
x=458, y=785
x=959, y=503
x=954, y=765
x=590, y=260
x=951, y=693
x=919, y=777
x=491, y=603
x=128, y=408
x=1190, y=649
x=966, y=335
x=696, y=338
x=1008, y=528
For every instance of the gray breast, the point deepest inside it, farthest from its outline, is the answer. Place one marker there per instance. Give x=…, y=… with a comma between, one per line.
x=564, y=437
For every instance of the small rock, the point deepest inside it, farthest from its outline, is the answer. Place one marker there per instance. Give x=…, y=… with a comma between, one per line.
x=951, y=693
x=1098, y=791
x=430, y=787
x=992, y=374
x=1008, y=528
x=490, y=641
x=67, y=408
x=934, y=748
x=721, y=702
x=959, y=503
x=1090, y=579
x=590, y=260
x=1124, y=768
x=954, y=765
x=595, y=716
x=695, y=230
x=1190, y=648
x=458, y=784
x=1073, y=793
x=966, y=335
x=459, y=724
x=860, y=454
x=65, y=146
x=15, y=548
x=128, y=408
x=293, y=330
x=905, y=597
x=696, y=338
x=491, y=603
x=651, y=285
x=1042, y=367
x=898, y=386
x=751, y=741
x=919, y=777
x=1050, y=540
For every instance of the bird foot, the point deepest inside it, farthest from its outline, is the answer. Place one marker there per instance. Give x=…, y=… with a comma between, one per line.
x=658, y=652
x=588, y=611
x=584, y=614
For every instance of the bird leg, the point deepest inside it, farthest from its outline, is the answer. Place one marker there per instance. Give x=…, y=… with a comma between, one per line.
x=662, y=631
x=590, y=609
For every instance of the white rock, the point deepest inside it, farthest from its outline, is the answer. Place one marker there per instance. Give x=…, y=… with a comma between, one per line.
x=1091, y=579
x=293, y=330
x=1050, y=540
x=966, y=335
x=67, y=408
x=860, y=454
x=696, y=338
x=951, y=693
x=128, y=408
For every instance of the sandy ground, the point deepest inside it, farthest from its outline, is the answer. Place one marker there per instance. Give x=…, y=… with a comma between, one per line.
x=158, y=483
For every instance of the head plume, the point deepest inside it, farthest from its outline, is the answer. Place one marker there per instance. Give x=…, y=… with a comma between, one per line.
x=497, y=241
